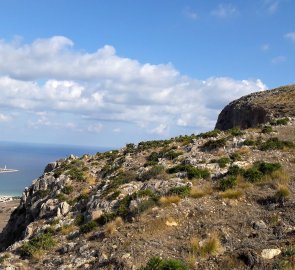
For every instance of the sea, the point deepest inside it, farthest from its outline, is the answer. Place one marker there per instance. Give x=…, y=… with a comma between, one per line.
x=30, y=161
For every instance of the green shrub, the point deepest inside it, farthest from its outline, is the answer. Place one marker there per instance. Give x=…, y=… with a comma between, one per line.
x=79, y=220
x=192, y=172
x=61, y=197
x=222, y=162
x=235, y=131
x=227, y=183
x=249, y=142
x=235, y=170
x=267, y=168
x=182, y=192
x=43, y=193
x=214, y=144
x=276, y=144
x=210, y=134
x=88, y=227
x=37, y=244
x=235, y=157
x=157, y=263
x=67, y=190
x=259, y=169
x=267, y=129
x=152, y=173
x=253, y=175
x=282, y=121
x=76, y=174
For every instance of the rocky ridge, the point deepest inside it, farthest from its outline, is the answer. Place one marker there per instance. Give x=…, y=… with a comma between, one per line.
x=218, y=200
x=258, y=108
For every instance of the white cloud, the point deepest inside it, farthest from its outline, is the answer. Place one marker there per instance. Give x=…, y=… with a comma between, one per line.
x=4, y=117
x=161, y=129
x=64, y=88
x=225, y=11
x=190, y=13
x=290, y=36
x=279, y=59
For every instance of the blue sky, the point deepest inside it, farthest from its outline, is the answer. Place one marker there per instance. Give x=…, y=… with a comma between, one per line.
x=112, y=72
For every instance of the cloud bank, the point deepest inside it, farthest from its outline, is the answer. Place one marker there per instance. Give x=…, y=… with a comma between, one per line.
x=67, y=88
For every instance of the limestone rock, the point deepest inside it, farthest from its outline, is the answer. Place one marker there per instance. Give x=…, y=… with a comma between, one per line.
x=270, y=253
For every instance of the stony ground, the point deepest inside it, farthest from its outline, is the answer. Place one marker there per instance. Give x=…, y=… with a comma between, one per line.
x=177, y=199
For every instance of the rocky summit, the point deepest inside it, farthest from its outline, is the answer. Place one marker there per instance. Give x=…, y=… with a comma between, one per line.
x=258, y=108
x=217, y=200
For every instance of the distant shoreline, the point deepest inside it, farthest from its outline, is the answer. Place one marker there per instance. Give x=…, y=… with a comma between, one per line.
x=5, y=198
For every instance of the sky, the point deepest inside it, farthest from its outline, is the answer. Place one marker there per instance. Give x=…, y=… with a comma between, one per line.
x=107, y=73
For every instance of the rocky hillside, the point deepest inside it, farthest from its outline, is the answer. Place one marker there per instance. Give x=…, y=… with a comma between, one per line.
x=218, y=200
x=258, y=108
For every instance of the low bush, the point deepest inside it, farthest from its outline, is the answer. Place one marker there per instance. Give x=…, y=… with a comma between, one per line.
x=209, y=134
x=275, y=144
x=88, y=227
x=192, y=172
x=277, y=122
x=235, y=131
x=260, y=169
x=157, y=263
x=182, y=192
x=267, y=129
x=228, y=183
x=213, y=144
x=235, y=170
x=222, y=162
x=37, y=245
x=67, y=190
x=151, y=173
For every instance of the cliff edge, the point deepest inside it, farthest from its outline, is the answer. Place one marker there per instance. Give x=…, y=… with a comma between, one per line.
x=258, y=108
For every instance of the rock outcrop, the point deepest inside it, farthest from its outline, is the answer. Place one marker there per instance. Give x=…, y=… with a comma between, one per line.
x=258, y=108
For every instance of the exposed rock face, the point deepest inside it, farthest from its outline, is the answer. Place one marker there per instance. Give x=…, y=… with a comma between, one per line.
x=257, y=108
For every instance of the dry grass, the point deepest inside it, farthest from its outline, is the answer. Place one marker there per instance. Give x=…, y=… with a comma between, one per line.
x=90, y=179
x=111, y=227
x=242, y=183
x=231, y=194
x=197, y=192
x=166, y=200
x=209, y=246
x=244, y=151
x=67, y=229
x=283, y=193
x=275, y=179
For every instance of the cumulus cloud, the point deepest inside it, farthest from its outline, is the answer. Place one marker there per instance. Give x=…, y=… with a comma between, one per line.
x=66, y=88
x=225, y=11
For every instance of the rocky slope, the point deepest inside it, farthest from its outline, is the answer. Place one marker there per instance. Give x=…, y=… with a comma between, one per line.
x=218, y=200
x=258, y=108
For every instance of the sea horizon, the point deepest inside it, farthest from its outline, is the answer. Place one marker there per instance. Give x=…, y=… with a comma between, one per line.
x=30, y=159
